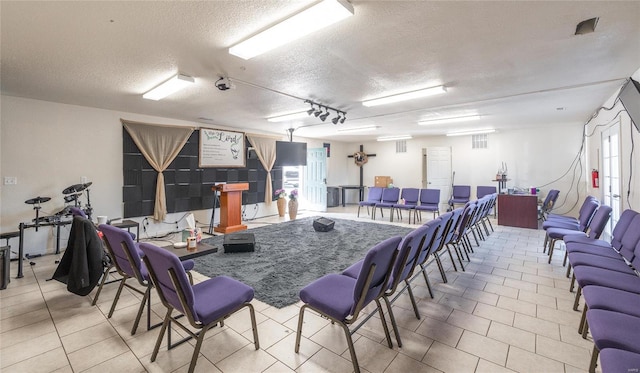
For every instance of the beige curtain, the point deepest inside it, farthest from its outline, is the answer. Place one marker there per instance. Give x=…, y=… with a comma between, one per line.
x=265, y=148
x=160, y=145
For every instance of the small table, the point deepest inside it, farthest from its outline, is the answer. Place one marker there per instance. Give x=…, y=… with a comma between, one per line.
x=129, y=224
x=358, y=187
x=201, y=249
x=518, y=210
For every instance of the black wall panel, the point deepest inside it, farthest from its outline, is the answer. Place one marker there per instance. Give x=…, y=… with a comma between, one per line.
x=187, y=186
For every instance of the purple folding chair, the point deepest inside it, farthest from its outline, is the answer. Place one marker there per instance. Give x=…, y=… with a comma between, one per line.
x=429, y=201
x=460, y=195
x=204, y=304
x=603, y=298
x=595, y=226
x=389, y=198
x=77, y=211
x=410, y=197
x=408, y=252
x=586, y=214
x=127, y=259
x=341, y=298
x=612, y=330
x=431, y=236
x=374, y=196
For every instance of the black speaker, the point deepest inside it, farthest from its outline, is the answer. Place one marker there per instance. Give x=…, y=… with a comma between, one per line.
x=323, y=224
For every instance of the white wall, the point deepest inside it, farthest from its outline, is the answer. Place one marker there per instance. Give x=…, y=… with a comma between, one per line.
x=629, y=197
x=534, y=157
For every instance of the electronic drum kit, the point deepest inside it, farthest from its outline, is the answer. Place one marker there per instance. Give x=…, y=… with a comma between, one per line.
x=71, y=194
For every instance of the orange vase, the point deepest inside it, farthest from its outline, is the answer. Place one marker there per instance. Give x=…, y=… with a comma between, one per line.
x=293, y=209
x=282, y=205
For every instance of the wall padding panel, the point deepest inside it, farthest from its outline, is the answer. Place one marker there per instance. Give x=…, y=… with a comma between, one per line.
x=187, y=186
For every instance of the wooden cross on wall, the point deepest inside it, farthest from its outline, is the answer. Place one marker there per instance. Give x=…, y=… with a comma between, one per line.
x=361, y=159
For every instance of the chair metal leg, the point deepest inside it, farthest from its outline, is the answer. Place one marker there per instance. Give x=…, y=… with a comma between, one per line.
x=426, y=280
x=196, y=349
x=163, y=329
x=573, y=283
x=583, y=318
x=396, y=332
x=568, y=269
x=594, y=359
x=440, y=267
x=576, y=302
x=252, y=313
x=384, y=323
x=566, y=256
x=413, y=299
x=105, y=274
x=299, y=331
x=146, y=300
x=455, y=268
x=544, y=245
x=117, y=297
x=457, y=254
x=490, y=225
x=352, y=351
x=359, y=210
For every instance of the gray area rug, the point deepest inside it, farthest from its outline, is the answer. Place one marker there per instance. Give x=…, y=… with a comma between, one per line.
x=290, y=255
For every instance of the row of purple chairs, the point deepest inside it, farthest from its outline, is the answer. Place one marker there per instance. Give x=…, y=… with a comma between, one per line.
x=607, y=275
x=413, y=200
x=388, y=269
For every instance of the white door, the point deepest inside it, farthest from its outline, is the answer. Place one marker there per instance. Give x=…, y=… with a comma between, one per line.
x=437, y=172
x=315, y=186
x=610, y=175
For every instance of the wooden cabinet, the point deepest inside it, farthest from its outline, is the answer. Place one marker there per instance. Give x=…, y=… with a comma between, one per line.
x=518, y=210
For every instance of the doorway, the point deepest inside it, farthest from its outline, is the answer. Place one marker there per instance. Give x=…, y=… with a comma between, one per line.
x=610, y=175
x=315, y=182
x=436, y=172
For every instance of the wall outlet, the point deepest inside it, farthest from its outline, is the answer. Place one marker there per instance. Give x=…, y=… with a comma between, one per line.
x=10, y=180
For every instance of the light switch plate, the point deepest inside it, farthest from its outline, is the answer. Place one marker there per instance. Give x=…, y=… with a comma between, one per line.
x=10, y=180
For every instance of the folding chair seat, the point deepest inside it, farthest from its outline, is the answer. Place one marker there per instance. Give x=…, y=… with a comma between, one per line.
x=410, y=197
x=204, y=304
x=341, y=298
x=612, y=330
x=374, y=196
x=126, y=257
x=429, y=201
x=603, y=298
x=616, y=360
x=595, y=226
x=588, y=276
x=390, y=197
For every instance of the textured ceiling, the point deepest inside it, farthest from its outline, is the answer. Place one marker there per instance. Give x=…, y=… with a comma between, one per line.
x=514, y=62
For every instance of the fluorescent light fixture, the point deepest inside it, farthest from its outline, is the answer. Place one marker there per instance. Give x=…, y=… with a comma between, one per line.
x=406, y=96
x=466, y=118
x=394, y=138
x=321, y=15
x=172, y=85
x=474, y=132
x=290, y=116
x=358, y=129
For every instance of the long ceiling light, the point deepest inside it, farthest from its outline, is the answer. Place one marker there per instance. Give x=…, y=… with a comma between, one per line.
x=321, y=15
x=286, y=117
x=394, y=138
x=467, y=118
x=474, y=132
x=358, y=129
x=406, y=96
x=172, y=85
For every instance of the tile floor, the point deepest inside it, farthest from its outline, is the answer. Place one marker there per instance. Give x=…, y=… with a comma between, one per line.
x=509, y=311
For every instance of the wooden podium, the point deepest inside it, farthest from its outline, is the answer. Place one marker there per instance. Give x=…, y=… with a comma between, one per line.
x=230, y=207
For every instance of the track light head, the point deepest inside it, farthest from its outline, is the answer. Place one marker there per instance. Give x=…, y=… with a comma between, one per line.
x=318, y=112
x=324, y=116
x=310, y=111
x=344, y=117
x=335, y=120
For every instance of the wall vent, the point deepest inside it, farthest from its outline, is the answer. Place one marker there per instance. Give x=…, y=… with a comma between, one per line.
x=479, y=141
x=401, y=146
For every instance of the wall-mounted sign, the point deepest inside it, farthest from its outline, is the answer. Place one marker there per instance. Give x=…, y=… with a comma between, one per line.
x=221, y=148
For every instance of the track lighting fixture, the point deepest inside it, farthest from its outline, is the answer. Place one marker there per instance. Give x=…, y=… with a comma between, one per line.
x=341, y=116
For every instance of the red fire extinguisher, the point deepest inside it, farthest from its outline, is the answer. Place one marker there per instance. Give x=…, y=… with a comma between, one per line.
x=595, y=178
